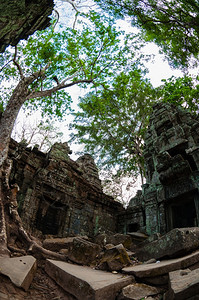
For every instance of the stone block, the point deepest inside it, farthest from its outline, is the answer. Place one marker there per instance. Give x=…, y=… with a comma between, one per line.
x=163, y=267
x=85, y=283
x=184, y=284
x=178, y=241
x=83, y=252
x=20, y=270
x=56, y=244
x=137, y=291
x=114, y=259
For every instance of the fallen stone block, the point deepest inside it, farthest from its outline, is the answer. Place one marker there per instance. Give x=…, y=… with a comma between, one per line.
x=114, y=259
x=163, y=267
x=137, y=291
x=85, y=283
x=56, y=244
x=20, y=270
x=83, y=252
x=176, y=242
x=183, y=284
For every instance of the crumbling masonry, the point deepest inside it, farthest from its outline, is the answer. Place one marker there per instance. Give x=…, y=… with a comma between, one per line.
x=170, y=197
x=59, y=196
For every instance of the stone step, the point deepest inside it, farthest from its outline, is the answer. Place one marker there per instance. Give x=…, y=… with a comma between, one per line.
x=20, y=270
x=163, y=267
x=86, y=283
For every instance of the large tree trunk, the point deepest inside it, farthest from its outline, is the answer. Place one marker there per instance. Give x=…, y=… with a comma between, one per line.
x=3, y=233
x=9, y=116
x=6, y=125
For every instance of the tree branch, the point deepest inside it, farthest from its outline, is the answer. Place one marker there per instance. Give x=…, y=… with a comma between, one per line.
x=59, y=87
x=6, y=65
x=17, y=64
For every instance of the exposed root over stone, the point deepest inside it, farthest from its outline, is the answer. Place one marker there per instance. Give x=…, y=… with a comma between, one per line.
x=12, y=229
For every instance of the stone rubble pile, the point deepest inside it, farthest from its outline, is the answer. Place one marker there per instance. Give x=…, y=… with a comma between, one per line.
x=105, y=271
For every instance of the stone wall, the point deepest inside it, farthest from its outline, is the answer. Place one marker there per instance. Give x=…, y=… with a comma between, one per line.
x=60, y=196
x=170, y=197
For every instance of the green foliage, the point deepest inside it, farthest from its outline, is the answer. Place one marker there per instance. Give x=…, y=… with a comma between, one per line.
x=112, y=123
x=182, y=91
x=173, y=25
x=91, y=53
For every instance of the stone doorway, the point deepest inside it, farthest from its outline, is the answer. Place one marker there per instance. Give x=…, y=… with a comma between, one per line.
x=51, y=217
x=133, y=227
x=182, y=211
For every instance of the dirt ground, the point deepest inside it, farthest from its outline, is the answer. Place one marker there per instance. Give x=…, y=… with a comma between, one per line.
x=42, y=287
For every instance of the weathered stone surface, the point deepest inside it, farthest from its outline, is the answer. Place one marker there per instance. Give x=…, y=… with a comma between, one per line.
x=90, y=170
x=163, y=267
x=56, y=197
x=60, y=152
x=175, y=243
x=19, y=19
x=85, y=283
x=56, y=244
x=20, y=270
x=157, y=280
x=83, y=252
x=136, y=291
x=183, y=284
x=114, y=259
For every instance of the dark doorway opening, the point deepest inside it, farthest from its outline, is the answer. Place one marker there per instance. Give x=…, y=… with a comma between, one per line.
x=181, y=211
x=50, y=217
x=133, y=227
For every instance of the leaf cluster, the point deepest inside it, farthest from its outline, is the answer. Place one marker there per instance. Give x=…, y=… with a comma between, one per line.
x=171, y=24
x=181, y=91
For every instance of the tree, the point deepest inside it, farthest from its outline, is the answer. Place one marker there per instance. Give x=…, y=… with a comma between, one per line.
x=112, y=123
x=36, y=132
x=42, y=69
x=172, y=25
x=120, y=187
x=181, y=91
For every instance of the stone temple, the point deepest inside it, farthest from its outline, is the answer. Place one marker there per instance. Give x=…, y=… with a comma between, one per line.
x=170, y=197
x=59, y=196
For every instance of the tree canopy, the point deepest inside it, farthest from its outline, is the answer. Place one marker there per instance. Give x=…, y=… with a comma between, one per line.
x=173, y=25
x=60, y=59
x=113, y=122
x=52, y=61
